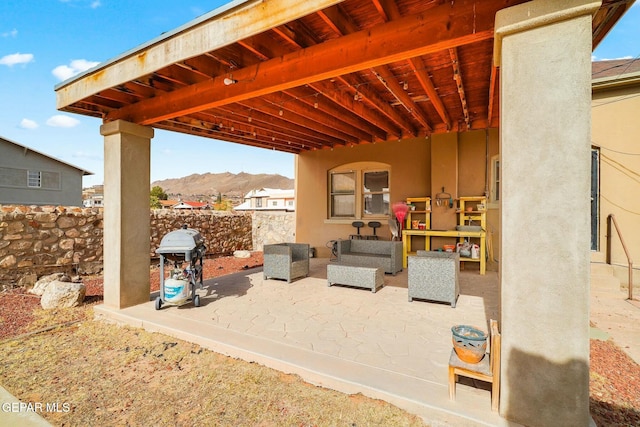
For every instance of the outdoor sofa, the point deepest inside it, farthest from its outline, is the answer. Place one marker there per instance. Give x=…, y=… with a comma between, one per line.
x=383, y=254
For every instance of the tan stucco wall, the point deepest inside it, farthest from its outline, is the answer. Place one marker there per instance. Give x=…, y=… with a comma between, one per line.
x=616, y=131
x=411, y=176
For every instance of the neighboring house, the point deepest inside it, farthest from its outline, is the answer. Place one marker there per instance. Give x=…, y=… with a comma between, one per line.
x=268, y=199
x=93, y=197
x=183, y=204
x=615, y=143
x=29, y=177
x=380, y=102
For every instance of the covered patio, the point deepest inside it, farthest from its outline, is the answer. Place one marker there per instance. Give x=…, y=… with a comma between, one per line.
x=344, y=338
x=424, y=91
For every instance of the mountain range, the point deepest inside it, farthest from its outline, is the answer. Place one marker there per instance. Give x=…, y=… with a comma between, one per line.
x=228, y=184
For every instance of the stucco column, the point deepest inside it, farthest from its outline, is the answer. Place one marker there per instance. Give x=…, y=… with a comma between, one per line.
x=126, y=213
x=544, y=52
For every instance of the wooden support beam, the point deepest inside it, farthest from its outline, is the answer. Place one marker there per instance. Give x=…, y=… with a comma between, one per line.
x=394, y=41
x=391, y=83
x=458, y=78
x=417, y=66
x=492, y=93
x=388, y=9
x=234, y=124
x=371, y=97
x=176, y=126
x=289, y=104
x=293, y=117
x=341, y=112
x=271, y=121
x=341, y=24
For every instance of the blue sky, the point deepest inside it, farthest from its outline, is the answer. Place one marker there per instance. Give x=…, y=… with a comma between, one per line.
x=44, y=42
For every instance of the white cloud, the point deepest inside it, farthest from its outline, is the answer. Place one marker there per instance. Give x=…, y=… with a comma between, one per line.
x=12, y=33
x=16, y=58
x=595, y=58
x=62, y=121
x=28, y=124
x=93, y=4
x=88, y=156
x=77, y=66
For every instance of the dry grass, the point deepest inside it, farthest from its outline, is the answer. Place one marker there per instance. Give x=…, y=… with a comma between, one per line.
x=111, y=375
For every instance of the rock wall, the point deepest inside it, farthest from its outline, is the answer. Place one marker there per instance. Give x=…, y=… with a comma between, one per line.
x=37, y=240
x=273, y=227
x=223, y=232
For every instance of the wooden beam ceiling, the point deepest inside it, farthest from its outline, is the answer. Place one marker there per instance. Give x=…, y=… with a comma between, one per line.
x=354, y=52
x=320, y=74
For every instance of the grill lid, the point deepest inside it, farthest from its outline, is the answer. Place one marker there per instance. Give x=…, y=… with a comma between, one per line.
x=183, y=240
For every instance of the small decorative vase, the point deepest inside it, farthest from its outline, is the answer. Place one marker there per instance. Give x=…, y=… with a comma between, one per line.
x=469, y=343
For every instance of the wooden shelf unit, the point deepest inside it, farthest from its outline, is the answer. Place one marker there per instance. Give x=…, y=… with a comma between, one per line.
x=477, y=215
x=422, y=212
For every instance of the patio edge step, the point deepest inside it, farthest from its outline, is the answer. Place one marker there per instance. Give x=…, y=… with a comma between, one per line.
x=319, y=369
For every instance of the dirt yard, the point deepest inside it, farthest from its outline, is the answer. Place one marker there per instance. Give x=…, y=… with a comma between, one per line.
x=101, y=374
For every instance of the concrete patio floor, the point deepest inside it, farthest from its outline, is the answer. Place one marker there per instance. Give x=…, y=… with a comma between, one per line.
x=347, y=339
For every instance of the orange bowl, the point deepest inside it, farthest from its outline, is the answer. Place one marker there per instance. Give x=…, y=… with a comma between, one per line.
x=449, y=248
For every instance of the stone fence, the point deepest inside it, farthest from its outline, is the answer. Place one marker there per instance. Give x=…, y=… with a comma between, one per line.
x=37, y=240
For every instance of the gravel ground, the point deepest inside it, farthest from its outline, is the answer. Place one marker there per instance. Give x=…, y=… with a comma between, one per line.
x=614, y=376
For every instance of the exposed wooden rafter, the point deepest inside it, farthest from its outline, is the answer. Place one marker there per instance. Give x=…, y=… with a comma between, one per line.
x=418, y=68
x=391, y=83
x=457, y=76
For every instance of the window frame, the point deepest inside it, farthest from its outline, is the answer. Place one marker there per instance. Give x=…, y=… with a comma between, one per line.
x=358, y=170
x=386, y=192
x=353, y=194
x=31, y=178
x=496, y=180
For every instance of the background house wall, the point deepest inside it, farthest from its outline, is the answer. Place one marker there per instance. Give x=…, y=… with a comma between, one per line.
x=616, y=133
x=61, y=183
x=411, y=162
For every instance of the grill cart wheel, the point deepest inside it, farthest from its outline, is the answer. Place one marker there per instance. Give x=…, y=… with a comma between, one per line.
x=158, y=303
x=196, y=301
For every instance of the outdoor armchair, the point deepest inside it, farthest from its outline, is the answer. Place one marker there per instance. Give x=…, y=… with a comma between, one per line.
x=286, y=261
x=434, y=276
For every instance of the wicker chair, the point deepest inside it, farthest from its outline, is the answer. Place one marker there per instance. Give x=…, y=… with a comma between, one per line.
x=286, y=261
x=434, y=276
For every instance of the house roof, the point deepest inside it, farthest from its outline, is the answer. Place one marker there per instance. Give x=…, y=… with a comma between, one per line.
x=614, y=68
x=27, y=149
x=615, y=74
x=270, y=192
x=296, y=76
x=182, y=204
